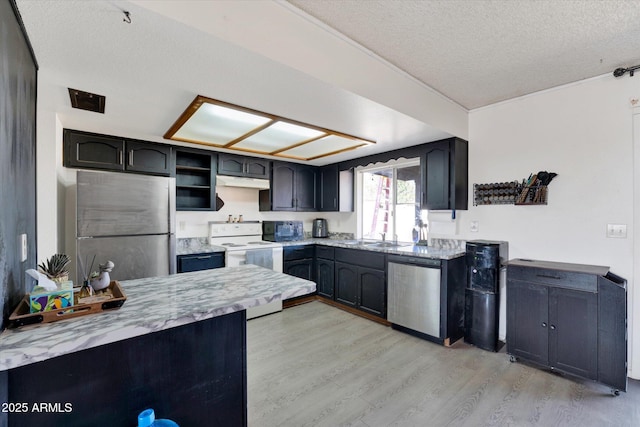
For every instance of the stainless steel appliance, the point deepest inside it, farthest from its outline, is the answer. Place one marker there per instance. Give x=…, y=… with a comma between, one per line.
x=243, y=245
x=282, y=231
x=320, y=228
x=125, y=218
x=414, y=293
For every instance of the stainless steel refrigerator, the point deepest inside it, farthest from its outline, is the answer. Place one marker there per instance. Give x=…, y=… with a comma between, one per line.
x=125, y=218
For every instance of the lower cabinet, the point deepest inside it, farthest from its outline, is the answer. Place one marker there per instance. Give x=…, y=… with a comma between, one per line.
x=360, y=280
x=298, y=261
x=197, y=262
x=568, y=317
x=325, y=271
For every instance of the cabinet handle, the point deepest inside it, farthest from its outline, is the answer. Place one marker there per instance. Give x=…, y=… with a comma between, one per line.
x=335, y=202
x=121, y=157
x=203, y=257
x=544, y=324
x=553, y=327
x=130, y=157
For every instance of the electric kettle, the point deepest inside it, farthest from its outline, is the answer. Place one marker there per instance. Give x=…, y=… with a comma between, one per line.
x=320, y=228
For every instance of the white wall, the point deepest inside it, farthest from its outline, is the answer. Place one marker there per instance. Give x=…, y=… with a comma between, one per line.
x=244, y=201
x=583, y=132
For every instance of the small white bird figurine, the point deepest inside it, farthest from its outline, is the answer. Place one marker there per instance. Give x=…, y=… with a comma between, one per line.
x=103, y=280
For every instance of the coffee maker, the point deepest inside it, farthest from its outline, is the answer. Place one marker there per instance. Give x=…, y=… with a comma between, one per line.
x=320, y=228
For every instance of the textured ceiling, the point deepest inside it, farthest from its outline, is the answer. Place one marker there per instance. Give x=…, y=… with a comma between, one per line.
x=299, y=60
x=484, y=51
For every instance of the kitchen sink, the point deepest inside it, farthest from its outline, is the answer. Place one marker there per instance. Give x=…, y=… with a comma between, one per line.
x=358, y=242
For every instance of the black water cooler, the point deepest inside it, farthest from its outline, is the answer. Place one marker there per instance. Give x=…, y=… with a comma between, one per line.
x=482, y=296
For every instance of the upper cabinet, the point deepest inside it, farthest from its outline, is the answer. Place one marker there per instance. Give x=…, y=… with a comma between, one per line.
x=293, y=188
x=251, y=167
x=335, y=189
x=195, y=179
x=445, y=173
x=93, y=151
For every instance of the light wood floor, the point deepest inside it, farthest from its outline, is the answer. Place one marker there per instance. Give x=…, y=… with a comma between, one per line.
x=316, y=365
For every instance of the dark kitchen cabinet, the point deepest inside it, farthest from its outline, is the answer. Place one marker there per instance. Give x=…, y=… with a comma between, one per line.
x=445, y=174
x=195, y=179
x=555, y=319
x=298, y=261
x=293, y=188
x=198, y=262
x=360, y=280
x=250, y=167
x=94, y=151
x=325, y=271
x=346, y=284
x=148, y=158
x=335, y=189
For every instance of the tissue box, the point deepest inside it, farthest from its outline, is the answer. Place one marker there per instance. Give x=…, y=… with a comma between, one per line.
x=43, y=300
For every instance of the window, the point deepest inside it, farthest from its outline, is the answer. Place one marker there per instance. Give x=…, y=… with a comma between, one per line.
x=390, y=204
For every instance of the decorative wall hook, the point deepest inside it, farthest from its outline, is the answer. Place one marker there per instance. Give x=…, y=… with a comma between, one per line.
x=127, y=17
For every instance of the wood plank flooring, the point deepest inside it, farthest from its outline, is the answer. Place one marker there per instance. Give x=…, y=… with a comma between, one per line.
x=316, y=365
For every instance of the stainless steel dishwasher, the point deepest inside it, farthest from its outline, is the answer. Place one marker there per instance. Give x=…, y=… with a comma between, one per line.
x=414, y=293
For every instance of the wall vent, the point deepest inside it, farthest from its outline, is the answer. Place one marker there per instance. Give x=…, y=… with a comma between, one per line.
x=87, y=101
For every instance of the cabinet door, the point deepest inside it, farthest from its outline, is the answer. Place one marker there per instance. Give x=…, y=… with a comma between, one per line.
x=86, y=150
x=325, y=277
x=302, y=268
x=228, y=164
x=573, y=332
x=305, y=188
x=346, y=284
x=436, y=190
x=283, y=187
x=256, y=168
x=528, y=321
x=445, y=170
x=373, y=295
x=328, y=188
x=148, y=158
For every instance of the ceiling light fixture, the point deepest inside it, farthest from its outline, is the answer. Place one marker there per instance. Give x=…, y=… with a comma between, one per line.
x=216, y=123
x=619, y=72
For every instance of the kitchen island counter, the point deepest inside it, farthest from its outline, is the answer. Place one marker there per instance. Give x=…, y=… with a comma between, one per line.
x=153, y=304
x=177, y=345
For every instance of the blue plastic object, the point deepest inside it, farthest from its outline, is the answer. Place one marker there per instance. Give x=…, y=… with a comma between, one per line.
x=147, y=418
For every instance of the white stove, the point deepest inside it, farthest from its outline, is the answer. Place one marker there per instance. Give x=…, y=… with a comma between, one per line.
x=243, y=245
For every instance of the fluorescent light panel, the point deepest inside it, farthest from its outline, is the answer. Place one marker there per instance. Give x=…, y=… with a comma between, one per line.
x=211, y=122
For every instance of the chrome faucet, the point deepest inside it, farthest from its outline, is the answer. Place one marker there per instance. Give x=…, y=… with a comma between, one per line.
x=384, y=236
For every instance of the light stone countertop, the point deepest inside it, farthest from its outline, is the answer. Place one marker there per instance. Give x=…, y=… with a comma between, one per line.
x=153, y=304
x=408, y=249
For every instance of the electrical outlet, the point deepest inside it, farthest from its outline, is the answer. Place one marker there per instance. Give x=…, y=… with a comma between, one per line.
x=474, y=226
x=618, y=231
x=23, y=248
x=181, y=225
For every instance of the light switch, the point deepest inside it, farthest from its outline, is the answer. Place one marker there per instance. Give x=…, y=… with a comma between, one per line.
x=23, y=248
x=617, y=231
x=181, y=225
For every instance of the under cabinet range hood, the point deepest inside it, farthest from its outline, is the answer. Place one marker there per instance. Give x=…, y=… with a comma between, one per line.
x=243, y=182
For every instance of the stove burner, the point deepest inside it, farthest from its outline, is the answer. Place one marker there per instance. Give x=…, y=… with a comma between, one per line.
x=233, y=245
x=260, y=243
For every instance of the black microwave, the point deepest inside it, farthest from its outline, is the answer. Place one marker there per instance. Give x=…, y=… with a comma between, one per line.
x=282, y=231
